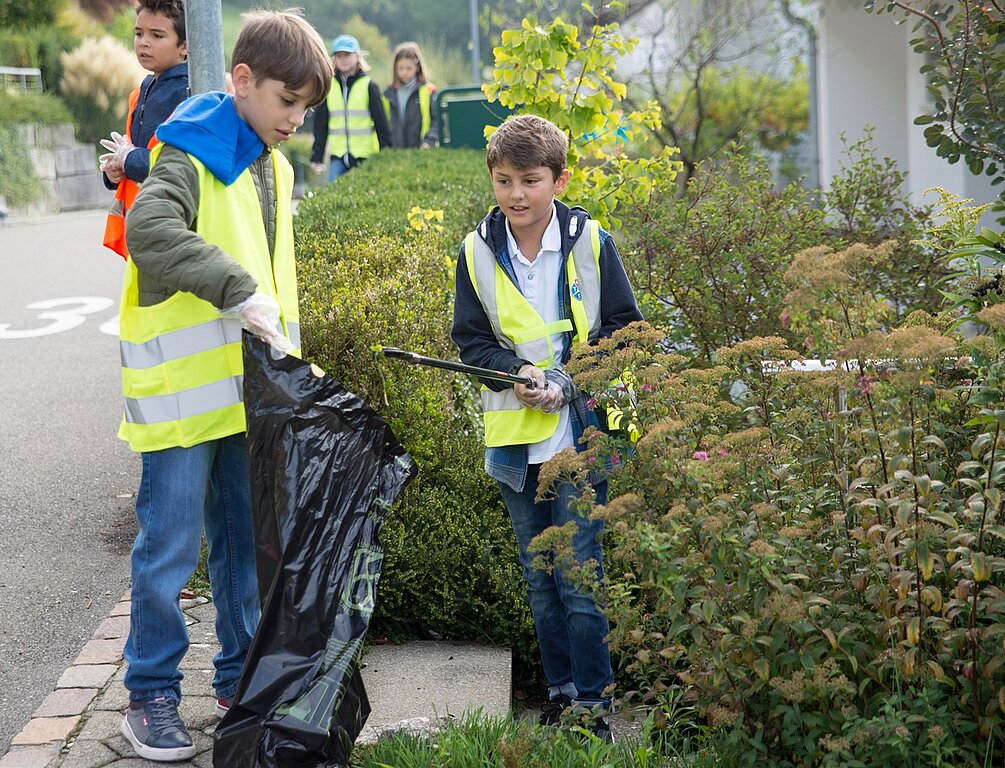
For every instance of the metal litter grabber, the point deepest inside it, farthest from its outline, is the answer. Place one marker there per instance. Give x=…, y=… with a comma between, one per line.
x=485, y=373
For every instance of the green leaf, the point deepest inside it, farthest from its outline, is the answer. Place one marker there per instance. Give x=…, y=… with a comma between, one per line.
x=942, y=517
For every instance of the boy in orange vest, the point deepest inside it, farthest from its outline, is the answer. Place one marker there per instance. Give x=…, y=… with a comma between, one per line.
x=159, y=42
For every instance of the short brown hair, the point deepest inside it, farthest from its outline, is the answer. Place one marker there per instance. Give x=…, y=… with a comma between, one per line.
x=283, y=46
x=172, y=9
x=528, y=141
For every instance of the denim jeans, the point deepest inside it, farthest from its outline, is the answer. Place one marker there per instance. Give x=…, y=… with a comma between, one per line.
x=181, y=491
x=571, y=629
x=336, y=168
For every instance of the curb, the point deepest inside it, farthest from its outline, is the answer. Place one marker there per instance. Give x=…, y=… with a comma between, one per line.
x=61, y=713
x=77, y=724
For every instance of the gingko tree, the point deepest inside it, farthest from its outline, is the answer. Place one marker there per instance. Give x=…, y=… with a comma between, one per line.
x=569, y=78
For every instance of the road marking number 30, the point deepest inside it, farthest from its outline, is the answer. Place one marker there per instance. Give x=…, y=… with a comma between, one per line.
x=63, y=315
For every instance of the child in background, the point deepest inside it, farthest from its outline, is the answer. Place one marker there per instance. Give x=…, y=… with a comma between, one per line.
x=533, y=279
x=411, y=101
x=351, y=122
x=211, y=248
x=159, y=42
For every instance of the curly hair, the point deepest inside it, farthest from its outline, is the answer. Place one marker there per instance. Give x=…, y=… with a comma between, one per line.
x=172, y=9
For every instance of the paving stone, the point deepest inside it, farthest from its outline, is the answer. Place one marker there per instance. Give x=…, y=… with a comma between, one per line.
x=205, y=612
x=86, y=676
x=203, y=632
x=101, y=652
x=118, y=744
x=114, y=698
x=114, y=627
x=428, y=679
x=30, y=757
x=199, y=656
x=197, y=682
x=98, y=725
x=187, y=603
x=43, y=730
x=121, y=608
x=66, y=701
x=199, y=712
x=86, y=754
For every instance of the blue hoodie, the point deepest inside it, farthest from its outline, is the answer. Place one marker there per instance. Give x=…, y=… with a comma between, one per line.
x=158, y=98
x=208, y=127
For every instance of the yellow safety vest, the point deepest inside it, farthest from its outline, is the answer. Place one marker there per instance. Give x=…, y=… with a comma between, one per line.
x=350, y=127
x=182, y=366
x=517, y=326
x=425, y=111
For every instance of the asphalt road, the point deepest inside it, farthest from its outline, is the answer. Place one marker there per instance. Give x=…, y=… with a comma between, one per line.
x=66, y=481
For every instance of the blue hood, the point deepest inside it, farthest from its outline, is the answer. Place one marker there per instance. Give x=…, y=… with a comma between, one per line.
x=208, y=127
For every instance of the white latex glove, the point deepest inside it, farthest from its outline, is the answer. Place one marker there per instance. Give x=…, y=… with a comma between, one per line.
x=118, y=147
x=529, y=396
x=259, y=313
x=552, y=399
x=547, y=394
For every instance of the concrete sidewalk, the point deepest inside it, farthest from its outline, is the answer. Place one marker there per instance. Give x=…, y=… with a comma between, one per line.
x=409, y=686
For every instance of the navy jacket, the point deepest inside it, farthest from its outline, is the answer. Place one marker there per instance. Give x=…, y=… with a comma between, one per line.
x=158, y=98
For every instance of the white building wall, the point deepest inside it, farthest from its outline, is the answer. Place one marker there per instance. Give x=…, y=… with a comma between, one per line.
x=868, y=74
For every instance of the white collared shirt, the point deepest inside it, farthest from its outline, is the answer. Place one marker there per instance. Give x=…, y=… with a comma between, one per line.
x=538, y=281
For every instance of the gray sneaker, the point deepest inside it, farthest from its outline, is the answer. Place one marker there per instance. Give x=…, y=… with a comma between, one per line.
x=156, y=731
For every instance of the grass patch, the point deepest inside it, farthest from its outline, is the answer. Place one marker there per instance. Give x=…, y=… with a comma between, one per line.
x=480, y=741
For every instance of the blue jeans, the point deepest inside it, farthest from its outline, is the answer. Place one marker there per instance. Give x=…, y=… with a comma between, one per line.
x=336, y=168
x=571, y=629
x=181, y=491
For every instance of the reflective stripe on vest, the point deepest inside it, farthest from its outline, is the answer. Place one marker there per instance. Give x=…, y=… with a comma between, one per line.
x=425, y=94
x=125, y=194
x=517, y=326
x=182, y=366
x=350, y=127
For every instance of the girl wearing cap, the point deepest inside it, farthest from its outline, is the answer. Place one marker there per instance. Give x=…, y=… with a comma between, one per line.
x=351, y=124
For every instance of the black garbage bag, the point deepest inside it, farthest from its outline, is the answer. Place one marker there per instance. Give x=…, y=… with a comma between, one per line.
x=325, y=470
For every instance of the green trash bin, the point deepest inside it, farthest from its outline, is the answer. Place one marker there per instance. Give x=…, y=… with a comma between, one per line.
x=464, y=113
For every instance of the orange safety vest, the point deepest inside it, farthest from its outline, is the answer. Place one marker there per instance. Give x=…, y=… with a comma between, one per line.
x=125, y=194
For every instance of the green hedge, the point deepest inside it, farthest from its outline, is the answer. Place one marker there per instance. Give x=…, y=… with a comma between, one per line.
x=45, y=109
x=37, y=47
x=377, y=196
x=18, y=182
x=451, y=561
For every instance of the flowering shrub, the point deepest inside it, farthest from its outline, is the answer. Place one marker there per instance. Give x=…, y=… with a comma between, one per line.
x=97, y=79
x=709, y=261
x=816, y=559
